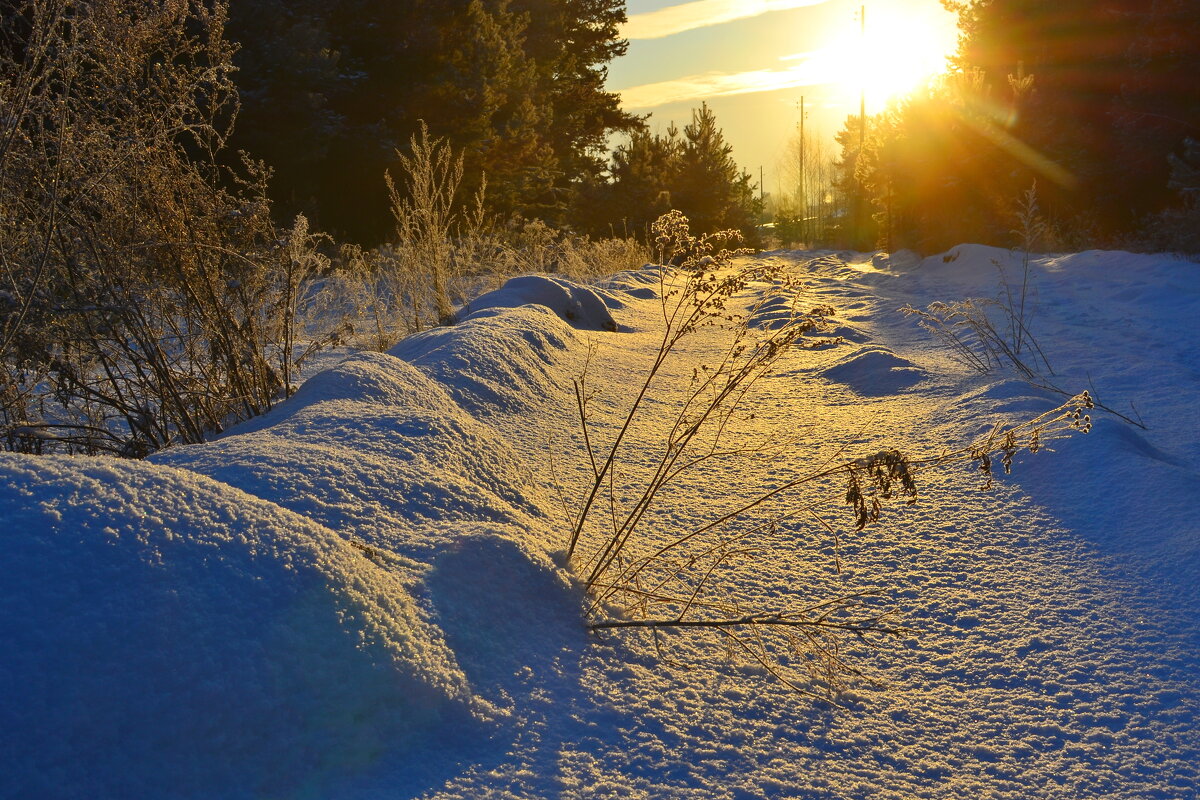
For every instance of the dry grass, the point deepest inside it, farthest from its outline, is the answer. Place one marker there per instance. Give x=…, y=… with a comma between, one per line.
x=445, y=253
x=147, y=297
x=143, y=303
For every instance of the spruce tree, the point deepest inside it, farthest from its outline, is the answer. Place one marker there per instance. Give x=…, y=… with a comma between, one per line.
x=708, y=186
x=332, y=90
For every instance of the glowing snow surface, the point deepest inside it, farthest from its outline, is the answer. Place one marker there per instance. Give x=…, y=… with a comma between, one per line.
x=357, y=595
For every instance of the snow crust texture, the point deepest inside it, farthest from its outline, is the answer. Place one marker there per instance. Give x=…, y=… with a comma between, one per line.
x=357, y=595
x=168, y=636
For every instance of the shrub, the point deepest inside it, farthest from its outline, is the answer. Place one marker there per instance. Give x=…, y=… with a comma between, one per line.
x=145, y=302
x=445, y=252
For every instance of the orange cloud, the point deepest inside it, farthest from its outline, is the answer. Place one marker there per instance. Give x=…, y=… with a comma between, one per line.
x=811, y=69
x=700, y=14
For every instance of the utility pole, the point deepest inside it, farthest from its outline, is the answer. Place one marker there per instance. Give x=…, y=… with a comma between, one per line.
x=862, y=93
x=803, y=191
x=862, y=124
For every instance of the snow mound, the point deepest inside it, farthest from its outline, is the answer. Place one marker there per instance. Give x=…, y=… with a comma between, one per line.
x=777, y=309
x=500, y=360
x=846, y=332
x=642, y=284
x=168, y=636
x=900, y=261
x=966, y=259
x=370, y=448
x=505, y=608
x=579, y=306
x=367, y=377
x=967, y=270
x=874, y=372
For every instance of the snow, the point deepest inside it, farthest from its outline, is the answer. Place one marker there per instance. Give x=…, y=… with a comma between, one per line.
x=874, y=372
x=579, y=305
x=361, y=594
x=168, y=635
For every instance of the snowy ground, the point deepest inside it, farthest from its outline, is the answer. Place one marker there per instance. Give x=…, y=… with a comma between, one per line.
x=356, y=596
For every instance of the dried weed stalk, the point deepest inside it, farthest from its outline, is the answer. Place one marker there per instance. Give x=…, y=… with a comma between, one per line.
x=967, y=329
x=446, y=251
x=637, y=580
x=983, y=334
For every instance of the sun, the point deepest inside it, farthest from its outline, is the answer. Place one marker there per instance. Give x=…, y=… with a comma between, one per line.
x=901, y=46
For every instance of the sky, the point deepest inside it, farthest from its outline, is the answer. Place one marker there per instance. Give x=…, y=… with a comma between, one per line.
x=753, y=60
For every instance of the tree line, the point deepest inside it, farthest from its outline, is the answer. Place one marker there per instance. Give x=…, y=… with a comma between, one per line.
x=331, y=91
x=1092, y=101
x=331, y=94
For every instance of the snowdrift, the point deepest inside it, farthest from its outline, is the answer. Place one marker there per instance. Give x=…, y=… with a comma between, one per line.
x=249, y=617
x=372, y=448
x=580, y=306
x=167, y=635
x=354, y=595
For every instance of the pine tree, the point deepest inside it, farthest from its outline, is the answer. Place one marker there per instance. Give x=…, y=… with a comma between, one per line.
x=639, y=191
x=571, y=43
x=708, y=186
x=484, y=101
x=693, y=172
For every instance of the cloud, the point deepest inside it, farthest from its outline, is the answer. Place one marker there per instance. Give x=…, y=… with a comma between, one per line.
x=702, y=13
x=812, y=68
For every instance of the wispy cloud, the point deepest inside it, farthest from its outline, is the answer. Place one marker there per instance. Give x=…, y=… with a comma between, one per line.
x=811, y=68
x=702, y=13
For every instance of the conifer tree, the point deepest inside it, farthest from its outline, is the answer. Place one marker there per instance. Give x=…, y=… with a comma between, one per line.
x=709, y=187
x=331, y=90
x=639, y=191
x=571, y=43
x=692, y=171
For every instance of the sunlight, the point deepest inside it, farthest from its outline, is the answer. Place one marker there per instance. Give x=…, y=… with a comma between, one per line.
x=905, y=43
x=897, y=53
